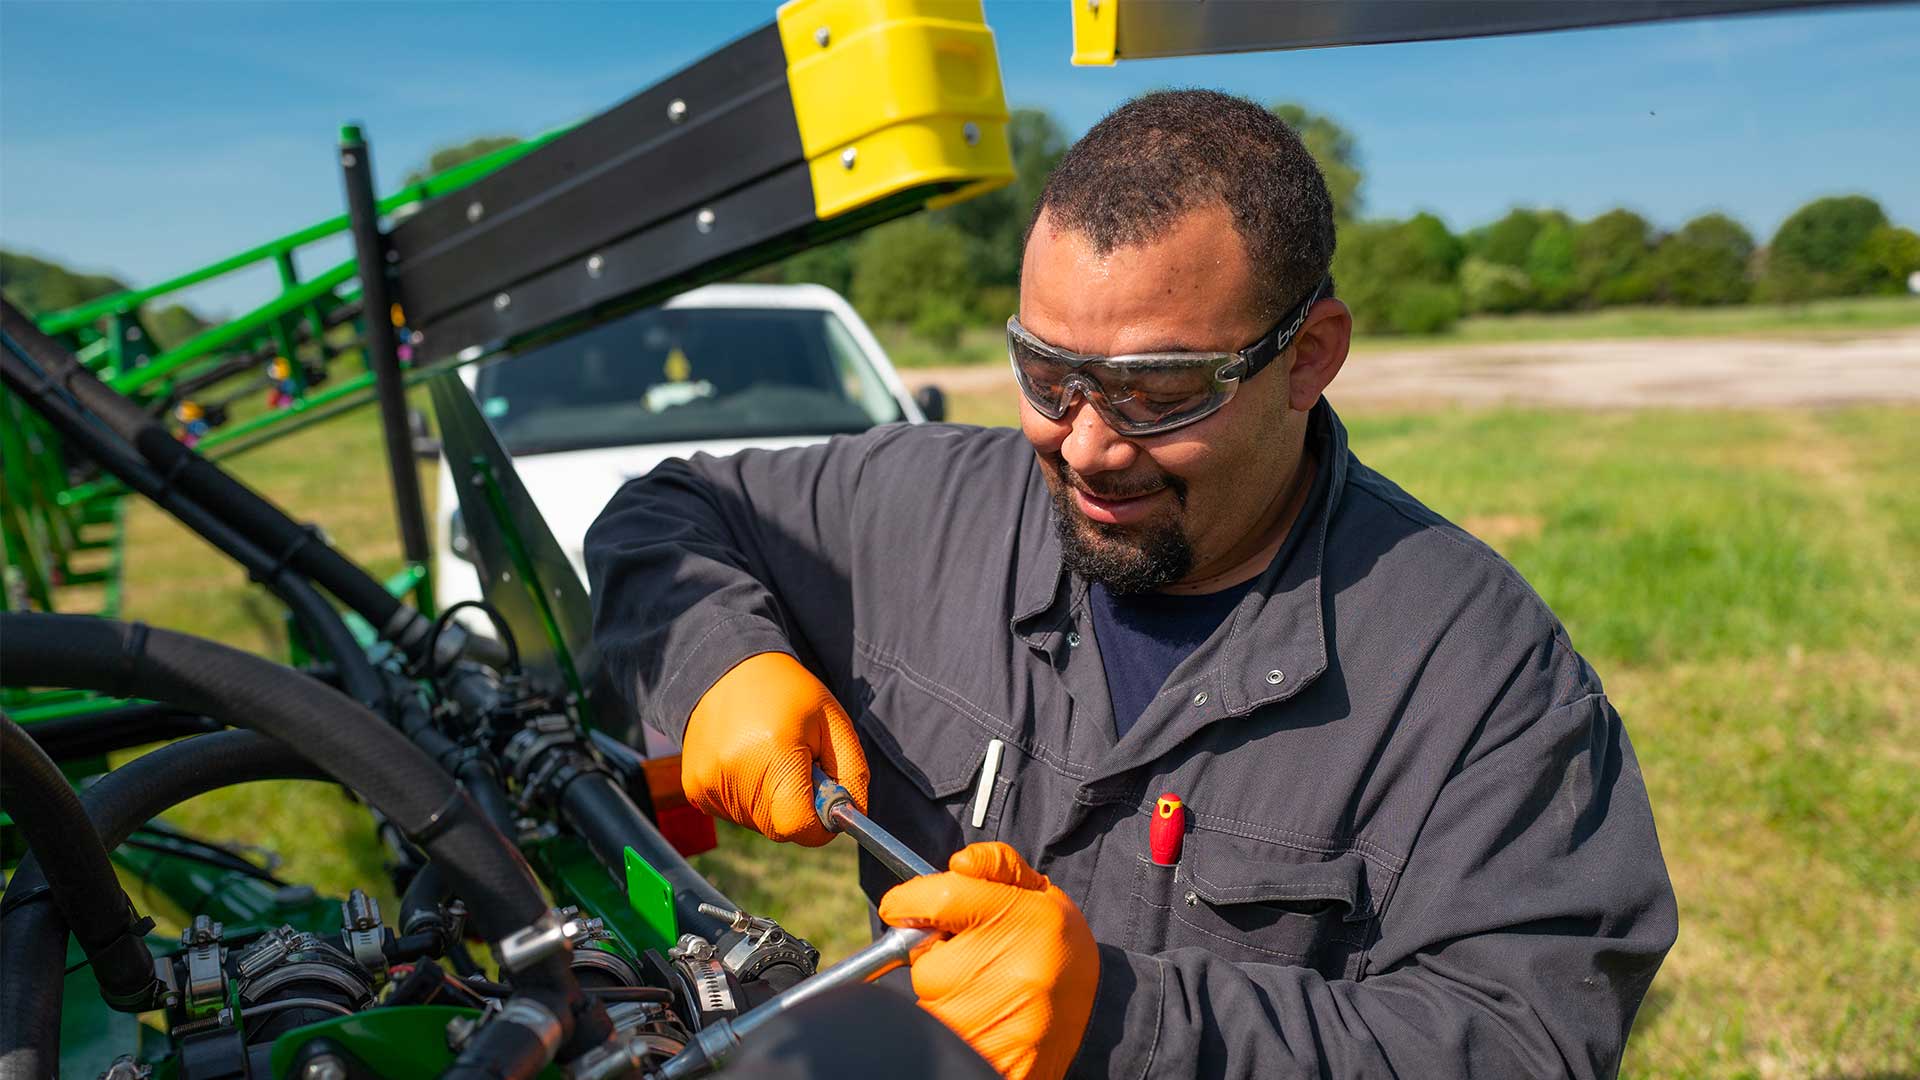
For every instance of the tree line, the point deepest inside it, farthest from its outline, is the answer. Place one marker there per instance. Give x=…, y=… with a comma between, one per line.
x=38, y=286
x=1416, y=277
x=942, y=272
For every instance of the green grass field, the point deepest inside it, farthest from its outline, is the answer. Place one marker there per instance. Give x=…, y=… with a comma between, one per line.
x=1747, y=583
x=987, y=344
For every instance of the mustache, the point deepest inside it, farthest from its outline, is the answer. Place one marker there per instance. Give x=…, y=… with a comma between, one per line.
x=1116, y=488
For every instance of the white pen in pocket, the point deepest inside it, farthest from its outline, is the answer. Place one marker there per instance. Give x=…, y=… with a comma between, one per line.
x=989, y=769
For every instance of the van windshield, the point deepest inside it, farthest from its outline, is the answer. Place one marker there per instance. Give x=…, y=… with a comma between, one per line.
x=684, y=374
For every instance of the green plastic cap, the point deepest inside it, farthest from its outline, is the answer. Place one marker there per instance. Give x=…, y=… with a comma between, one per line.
x=652, y=898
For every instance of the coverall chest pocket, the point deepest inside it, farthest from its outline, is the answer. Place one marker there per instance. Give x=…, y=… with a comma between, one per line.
x=926, y=759
x=1249, y=901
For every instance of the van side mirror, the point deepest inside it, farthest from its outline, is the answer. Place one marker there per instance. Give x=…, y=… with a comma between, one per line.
x=932, y=401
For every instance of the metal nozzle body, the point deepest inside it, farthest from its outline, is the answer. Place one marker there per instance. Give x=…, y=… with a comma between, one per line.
x=891, y=950
x=719, y=1038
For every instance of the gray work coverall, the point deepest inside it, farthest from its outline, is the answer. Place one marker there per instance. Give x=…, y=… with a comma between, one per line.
x=1419, y=843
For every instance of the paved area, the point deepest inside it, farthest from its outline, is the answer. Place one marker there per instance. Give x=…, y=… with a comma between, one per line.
x=1623, y=373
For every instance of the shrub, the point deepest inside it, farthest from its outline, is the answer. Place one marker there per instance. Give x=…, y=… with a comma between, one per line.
x=1610, y=260
x=1377, y=262
x=829, y=264
x=995, y=302
x=1423, y=307
x=1820, y=250
x=1705, y=262
x=1507, y=241
x=901, y=268
x=941, y=320
x=1891, y=253
x=1494, y=288
x=1550, y=265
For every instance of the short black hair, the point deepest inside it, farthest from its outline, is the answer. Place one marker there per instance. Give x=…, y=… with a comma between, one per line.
x=1155, y=158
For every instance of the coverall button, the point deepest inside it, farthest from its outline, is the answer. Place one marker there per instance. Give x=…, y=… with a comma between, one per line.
x=1199, y=699
x=1275, y=676
x=1073, y=639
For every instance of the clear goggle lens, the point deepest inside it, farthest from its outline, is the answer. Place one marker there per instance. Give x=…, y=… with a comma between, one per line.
x=1136, y=395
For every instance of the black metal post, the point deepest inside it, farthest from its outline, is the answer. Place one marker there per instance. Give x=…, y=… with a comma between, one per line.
x=383, y=356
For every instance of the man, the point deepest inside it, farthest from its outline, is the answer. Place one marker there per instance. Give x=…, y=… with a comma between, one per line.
x=1416, y=841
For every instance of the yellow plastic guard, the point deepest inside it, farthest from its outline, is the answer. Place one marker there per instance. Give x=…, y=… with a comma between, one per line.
x=893, y=94
x=1096, y=32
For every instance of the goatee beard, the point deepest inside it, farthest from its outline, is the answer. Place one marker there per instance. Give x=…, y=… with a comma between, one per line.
x=1137, y=559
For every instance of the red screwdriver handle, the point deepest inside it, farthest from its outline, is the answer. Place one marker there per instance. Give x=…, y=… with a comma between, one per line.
x=1169, y=828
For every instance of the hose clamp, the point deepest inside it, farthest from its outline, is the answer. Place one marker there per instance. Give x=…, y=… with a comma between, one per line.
x=536, y=1018
x=361, y=929
x=19, y=898
x=133, y=650
x=206, y=982
x=308, y=533
x=442, y=818
x=405, y=627
x=551, y=934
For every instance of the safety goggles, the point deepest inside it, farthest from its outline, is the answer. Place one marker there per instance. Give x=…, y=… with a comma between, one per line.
x=1141, y=394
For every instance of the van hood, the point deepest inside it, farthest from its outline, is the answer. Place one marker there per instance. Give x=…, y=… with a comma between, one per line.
x=571, y=488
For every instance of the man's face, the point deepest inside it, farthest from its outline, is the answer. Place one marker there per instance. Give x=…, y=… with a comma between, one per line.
x=1140, y=513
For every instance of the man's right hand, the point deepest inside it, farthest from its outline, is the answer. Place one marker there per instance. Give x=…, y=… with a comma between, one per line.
x=750, y=746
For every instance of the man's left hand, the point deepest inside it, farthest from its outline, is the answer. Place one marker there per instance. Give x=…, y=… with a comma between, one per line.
x=1016, y=977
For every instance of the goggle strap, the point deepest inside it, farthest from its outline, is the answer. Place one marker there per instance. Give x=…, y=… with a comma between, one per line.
x=1262, y=352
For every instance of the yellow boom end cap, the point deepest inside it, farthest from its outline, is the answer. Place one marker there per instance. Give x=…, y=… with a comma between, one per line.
x=1096, y=32
x=891, y=95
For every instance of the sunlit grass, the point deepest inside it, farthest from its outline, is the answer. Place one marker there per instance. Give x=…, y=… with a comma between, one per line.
x=1747, y=584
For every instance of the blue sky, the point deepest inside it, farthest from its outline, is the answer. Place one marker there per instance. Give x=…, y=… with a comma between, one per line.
x=144, y=139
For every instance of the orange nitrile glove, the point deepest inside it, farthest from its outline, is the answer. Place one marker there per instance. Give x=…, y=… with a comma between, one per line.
x=1016, y=977
x=749, y=749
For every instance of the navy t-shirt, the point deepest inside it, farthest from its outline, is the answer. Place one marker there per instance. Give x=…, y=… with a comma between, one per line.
x=1144, y=636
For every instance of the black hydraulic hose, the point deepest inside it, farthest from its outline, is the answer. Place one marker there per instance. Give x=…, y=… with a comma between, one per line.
x=234, y=502
x=473, y=769
x=117, y=727
x=77, y=872
x=606, y=818
x=322, y=624
x=33, y=936
x=33, y=949
x=478, y=777
x=602, y=813
x=420, y=904
x=389, y=771
x=517, y=1043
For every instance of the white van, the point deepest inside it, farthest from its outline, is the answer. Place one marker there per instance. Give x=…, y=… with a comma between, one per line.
x=718, y=369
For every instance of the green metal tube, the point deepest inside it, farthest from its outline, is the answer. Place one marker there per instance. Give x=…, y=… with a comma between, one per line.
x=302, y=413
x=27, y=715
x=185, y=887
x=242, y=328
x=289, y=278
x=86, y=493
